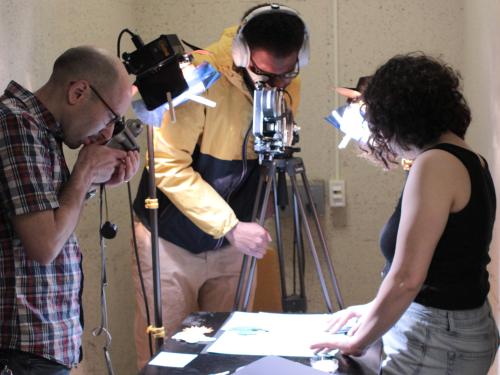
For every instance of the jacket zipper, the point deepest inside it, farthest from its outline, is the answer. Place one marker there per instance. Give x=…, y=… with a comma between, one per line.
x=242, y=177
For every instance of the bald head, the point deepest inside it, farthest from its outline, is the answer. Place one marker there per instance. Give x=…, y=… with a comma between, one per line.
x=92, y=64
x=87, y=90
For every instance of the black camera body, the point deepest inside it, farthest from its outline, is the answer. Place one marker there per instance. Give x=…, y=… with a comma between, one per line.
x=156, y=66
x=124, y=137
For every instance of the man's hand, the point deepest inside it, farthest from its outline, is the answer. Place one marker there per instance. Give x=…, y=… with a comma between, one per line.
x=125, y=171
x=44, y=233
x=96, y=164
x=249, y=238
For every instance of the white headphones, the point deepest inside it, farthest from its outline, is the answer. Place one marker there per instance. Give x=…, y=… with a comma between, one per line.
x=241, y=51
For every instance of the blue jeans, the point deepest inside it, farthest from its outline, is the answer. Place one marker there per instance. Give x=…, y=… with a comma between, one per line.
x=432, y=341
x=23, y=363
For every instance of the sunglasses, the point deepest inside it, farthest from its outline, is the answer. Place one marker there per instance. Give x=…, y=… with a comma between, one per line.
x=272, y=76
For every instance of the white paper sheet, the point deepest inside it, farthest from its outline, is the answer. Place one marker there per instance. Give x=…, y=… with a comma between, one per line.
x=271, y=334
x=169, y=359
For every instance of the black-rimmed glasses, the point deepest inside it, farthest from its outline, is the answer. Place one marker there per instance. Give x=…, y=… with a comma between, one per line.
x=117, y=120
x=272, y=76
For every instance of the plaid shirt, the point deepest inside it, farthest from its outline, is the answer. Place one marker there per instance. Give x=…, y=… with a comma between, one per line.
x=39, y=304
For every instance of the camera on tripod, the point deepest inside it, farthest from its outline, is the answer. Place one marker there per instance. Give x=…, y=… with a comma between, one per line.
x=275, y=133
x=274, y=128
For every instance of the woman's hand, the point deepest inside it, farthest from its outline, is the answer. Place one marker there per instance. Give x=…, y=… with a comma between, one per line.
x=340, y=318
x=346, y=344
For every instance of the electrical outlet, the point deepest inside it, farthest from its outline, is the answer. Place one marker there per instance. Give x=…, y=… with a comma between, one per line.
x=336, y=193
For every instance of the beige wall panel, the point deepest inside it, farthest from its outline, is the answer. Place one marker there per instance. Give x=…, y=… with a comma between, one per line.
x=482, y=87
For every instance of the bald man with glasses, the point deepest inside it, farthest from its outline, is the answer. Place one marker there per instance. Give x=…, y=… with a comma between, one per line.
x=42, y=201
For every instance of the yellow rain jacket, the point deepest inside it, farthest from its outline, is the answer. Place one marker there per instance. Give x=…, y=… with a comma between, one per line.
x=206, y=182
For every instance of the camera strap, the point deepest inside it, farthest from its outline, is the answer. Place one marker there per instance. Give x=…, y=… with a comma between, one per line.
x=103, y=327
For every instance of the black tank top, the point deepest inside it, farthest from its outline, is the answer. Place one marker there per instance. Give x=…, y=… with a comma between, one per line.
x=457, y=277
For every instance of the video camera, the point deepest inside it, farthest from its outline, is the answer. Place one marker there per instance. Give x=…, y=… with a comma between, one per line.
x=274, y=128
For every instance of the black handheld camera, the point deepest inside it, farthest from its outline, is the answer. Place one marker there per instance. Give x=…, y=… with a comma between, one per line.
x=125, y=134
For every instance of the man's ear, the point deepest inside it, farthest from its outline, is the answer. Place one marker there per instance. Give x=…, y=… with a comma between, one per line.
x=77, y=91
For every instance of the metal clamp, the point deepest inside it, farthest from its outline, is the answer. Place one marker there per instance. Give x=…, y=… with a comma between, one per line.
x=151, y=203
x=156, y=332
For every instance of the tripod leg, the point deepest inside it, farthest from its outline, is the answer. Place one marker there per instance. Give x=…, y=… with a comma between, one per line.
x=279, y=240
x=261, y=218
x=295, y=302
x=324, y=246
x=239, y=288
x=314, y=253
x=244, y=263
x=299, y=245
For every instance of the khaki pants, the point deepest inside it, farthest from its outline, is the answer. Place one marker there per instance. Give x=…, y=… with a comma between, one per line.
x=189, y=282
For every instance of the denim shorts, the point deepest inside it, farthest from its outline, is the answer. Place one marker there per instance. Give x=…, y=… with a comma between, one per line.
x=432, y=341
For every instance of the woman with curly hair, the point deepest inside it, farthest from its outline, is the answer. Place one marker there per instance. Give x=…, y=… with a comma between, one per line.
x=431, y=309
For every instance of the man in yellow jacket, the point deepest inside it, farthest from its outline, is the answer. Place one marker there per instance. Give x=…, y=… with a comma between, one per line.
x=206, y=172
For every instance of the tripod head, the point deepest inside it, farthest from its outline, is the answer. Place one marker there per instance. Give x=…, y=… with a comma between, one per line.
x=274, y=128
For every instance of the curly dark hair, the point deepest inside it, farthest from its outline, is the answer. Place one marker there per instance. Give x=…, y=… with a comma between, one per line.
x=275, y=31
x=411, y=101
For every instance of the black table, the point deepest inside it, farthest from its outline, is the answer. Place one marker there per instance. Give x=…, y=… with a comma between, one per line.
x=212, y=363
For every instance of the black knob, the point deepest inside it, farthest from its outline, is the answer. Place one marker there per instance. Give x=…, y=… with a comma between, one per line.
x=109, y=230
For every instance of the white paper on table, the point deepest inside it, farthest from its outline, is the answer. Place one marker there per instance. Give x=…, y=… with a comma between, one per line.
x=245, y=319
x=169, y=359
x=274, y=321
x=271, y=334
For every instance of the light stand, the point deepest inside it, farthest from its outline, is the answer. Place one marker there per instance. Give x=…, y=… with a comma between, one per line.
x=151, y=203
x=159, y=78
x=165, y=78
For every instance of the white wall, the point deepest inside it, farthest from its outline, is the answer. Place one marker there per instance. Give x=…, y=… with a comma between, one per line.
x=482, y=87
x=34, y=32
